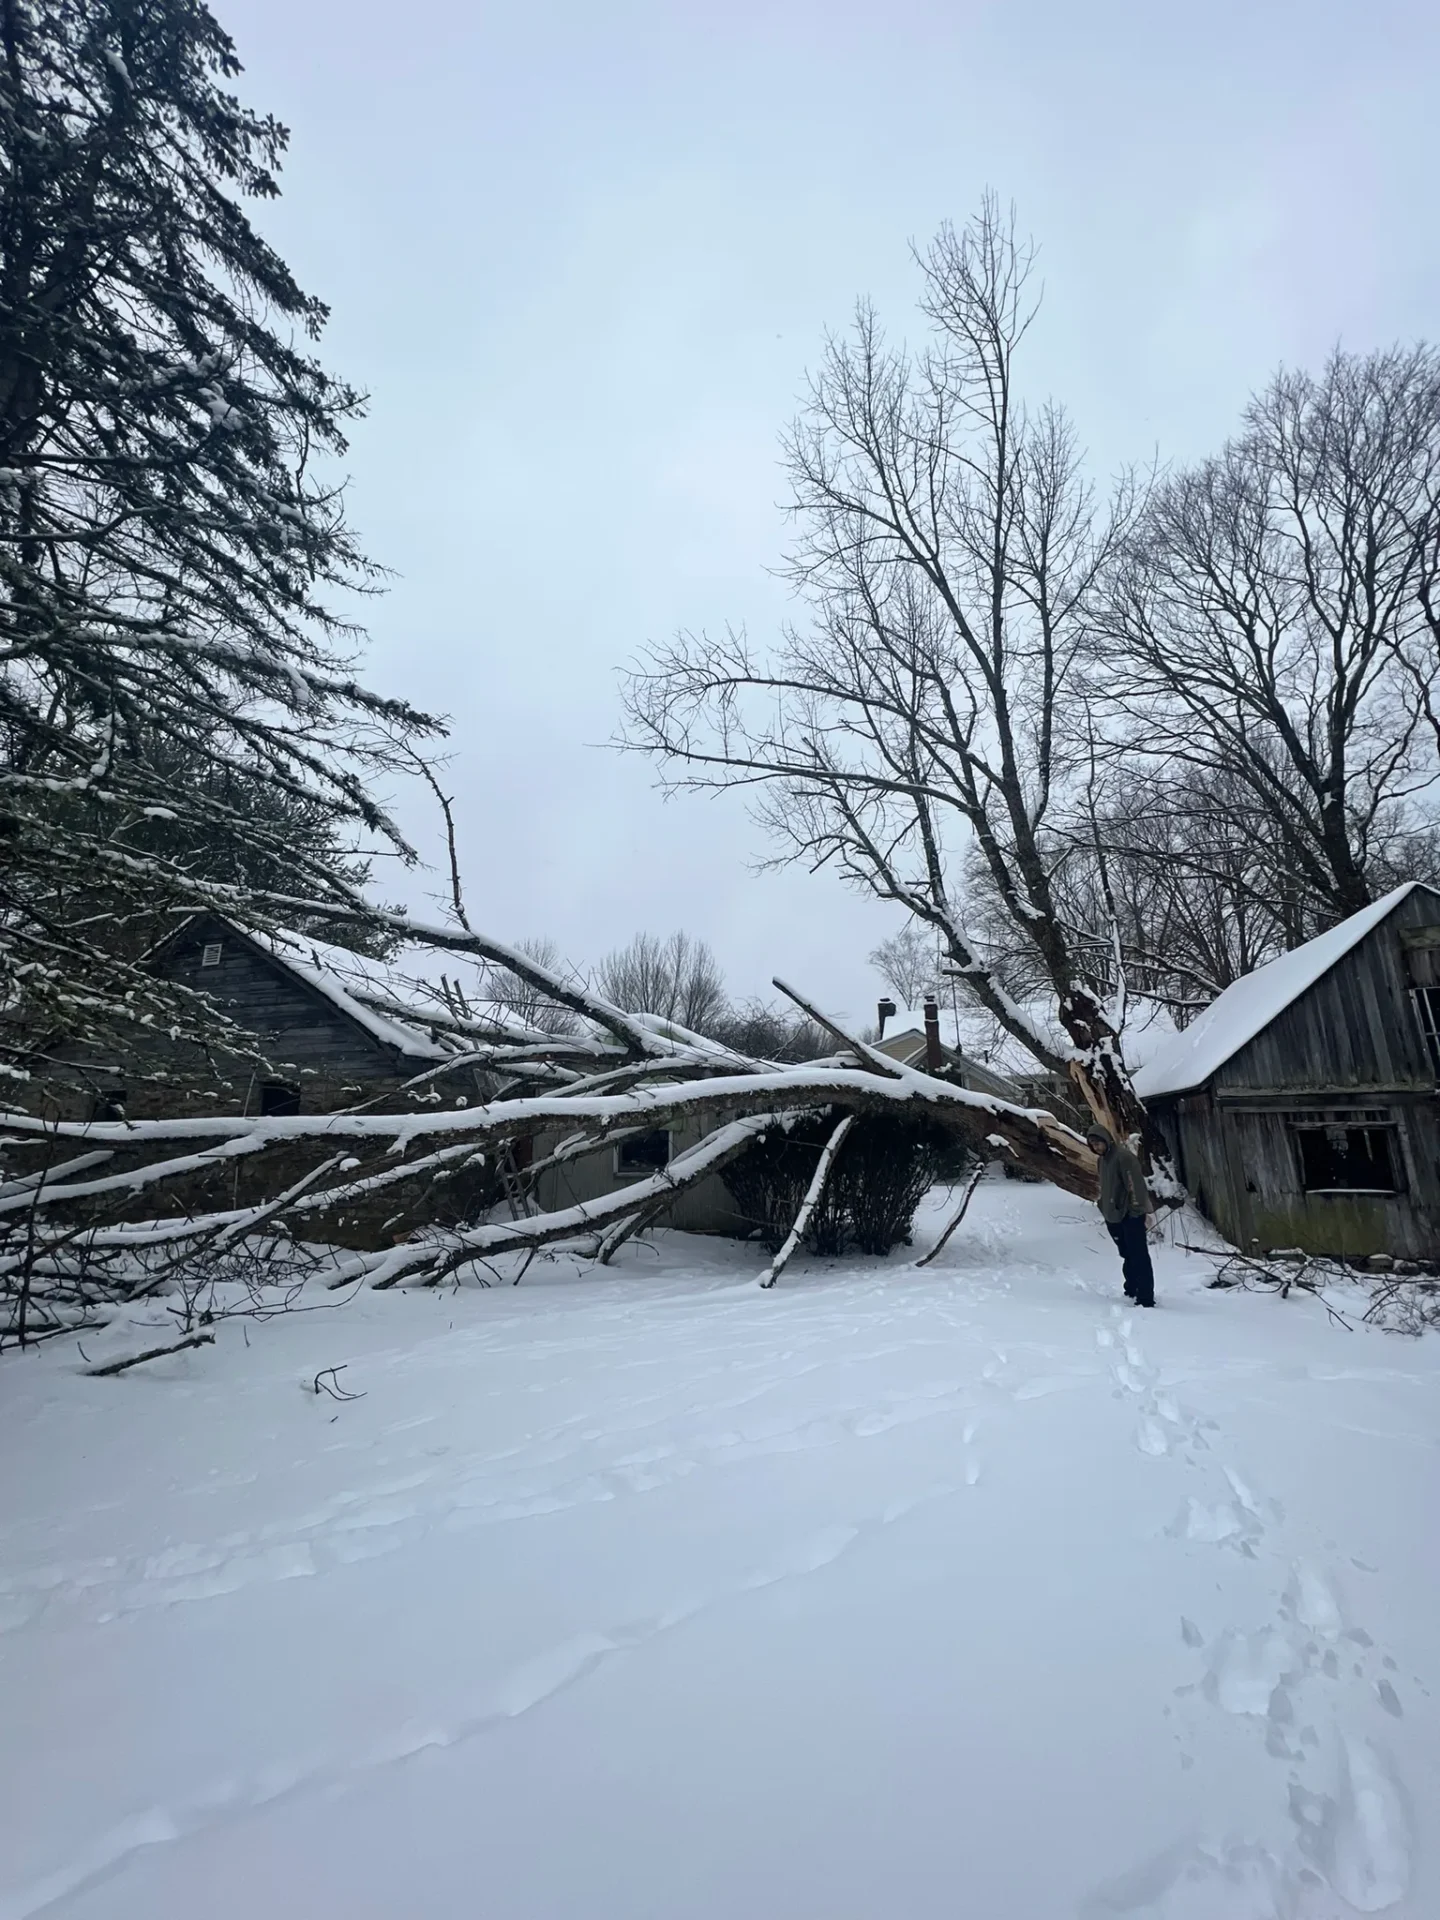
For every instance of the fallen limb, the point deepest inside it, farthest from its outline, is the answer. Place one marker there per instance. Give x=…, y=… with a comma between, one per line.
x=623, y=1230
x=865, y=1054
x=150, y=1353
x=443, y=1252
x=22, y=1188
x=679, y=1083
x=1036, y=1138
x=955, y=1218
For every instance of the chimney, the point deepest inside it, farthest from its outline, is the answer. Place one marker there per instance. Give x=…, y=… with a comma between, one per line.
x=934, y=1058
x=886, y=1011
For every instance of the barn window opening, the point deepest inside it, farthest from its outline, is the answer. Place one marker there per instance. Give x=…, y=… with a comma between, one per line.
x=210, y=954
x=643, y=1152
x=1427, y=1005
x=279, y=1097
x=1339, y=1156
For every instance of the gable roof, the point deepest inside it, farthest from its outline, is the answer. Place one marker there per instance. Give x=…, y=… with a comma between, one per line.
x=906, y=1045
x=1188, y=1059
x=371, y=993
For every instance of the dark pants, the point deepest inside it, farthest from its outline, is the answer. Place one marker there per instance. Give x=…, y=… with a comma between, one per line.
x=1129, y=1236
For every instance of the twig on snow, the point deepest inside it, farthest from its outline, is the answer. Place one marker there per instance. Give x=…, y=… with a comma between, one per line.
x=151, y=1353
x=328, y=1381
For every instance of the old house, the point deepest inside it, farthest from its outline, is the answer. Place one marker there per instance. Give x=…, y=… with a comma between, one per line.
x=704, y=1208
x=1302, y=1106
x=335, y=1028
x=338, y=1028
x=914, y=1040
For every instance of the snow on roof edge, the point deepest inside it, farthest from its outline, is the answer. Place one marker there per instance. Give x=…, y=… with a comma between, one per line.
x=324, y=966
x=1248, y=1006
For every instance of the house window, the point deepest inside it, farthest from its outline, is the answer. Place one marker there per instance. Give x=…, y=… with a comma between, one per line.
x=210, y=954
x=109, y=1104
x=643, y=1152
x=279, y=1097
x=1352, y=1153
x=1427, y=1005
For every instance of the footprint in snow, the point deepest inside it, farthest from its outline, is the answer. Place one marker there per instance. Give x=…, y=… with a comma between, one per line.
x=1224, y=1525
x=1388, y=1698
x=1246, y=1669
x=1310, y=1601
x=1359, y=1837
x=806, y=1556
x=1151, y=1438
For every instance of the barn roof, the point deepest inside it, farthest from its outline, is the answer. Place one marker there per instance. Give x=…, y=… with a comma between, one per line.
x=1188, y=1059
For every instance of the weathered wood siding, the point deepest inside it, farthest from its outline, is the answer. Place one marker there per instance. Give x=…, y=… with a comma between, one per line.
x=1352, y=1043
x=1355, y=1030
x=307, y=1039
x=303, y=1031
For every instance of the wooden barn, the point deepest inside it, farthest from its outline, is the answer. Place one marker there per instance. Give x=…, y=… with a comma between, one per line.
x=1302, y=1106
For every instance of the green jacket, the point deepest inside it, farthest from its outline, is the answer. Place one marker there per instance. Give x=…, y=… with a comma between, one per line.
x=1123, y=1193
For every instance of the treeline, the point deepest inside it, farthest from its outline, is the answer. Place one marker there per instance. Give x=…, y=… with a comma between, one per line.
x=676, y=978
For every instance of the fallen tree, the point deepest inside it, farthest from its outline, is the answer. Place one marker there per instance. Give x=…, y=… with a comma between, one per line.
x=87, y=1224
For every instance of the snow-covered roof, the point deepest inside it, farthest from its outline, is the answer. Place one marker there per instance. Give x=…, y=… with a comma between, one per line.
x=1245, y=1009
x=382, y=1000
x=905, y=1042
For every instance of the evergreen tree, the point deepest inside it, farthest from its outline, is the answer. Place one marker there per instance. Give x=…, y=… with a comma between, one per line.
x=179, y=716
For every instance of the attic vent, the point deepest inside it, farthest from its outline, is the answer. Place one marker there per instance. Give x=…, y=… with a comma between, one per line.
x=210, y=954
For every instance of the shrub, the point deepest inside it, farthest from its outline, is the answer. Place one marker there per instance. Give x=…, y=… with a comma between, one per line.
x=881, y=1174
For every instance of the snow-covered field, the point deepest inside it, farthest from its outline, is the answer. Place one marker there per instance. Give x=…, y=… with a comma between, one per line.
x=887, y=1595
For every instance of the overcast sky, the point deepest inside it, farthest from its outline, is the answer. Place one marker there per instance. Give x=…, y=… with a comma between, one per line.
x=581, y=255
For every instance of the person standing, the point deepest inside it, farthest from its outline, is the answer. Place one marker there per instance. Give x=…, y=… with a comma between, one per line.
x=1124, y=1203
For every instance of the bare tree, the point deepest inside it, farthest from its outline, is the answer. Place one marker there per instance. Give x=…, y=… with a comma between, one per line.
x=1199, y=889
x=1258, y=626
x=677, y=979
x=948, y=544
x=763, y=1031
x=521, y=999
x=908, y=963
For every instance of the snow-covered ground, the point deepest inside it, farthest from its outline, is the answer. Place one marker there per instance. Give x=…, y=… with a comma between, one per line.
x=886, y=1595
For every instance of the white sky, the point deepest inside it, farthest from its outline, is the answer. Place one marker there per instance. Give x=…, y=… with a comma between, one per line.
x=582, y=255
